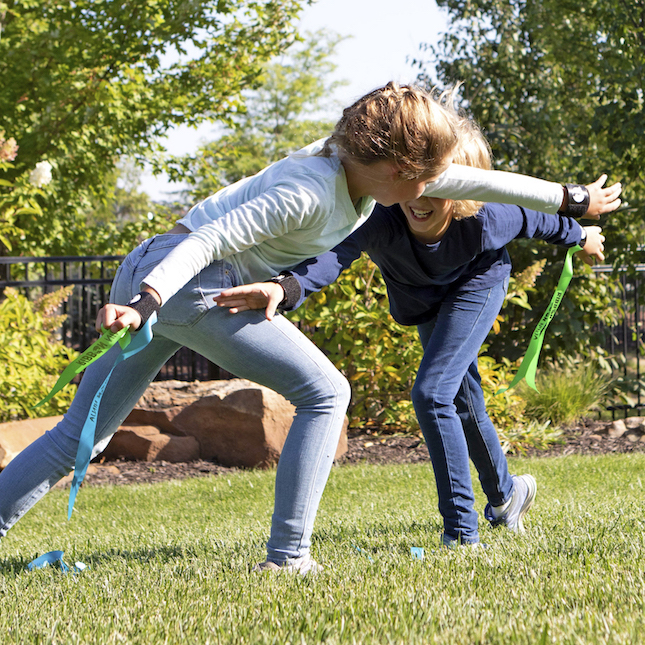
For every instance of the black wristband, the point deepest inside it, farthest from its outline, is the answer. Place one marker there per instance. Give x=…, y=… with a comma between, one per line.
x=145, y=304
x=577, y=200
x=291, y=288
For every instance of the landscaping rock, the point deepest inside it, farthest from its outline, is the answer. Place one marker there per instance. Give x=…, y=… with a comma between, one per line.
x=236, y=422
x=15, y=436
x=617, y=429
x=147, y=443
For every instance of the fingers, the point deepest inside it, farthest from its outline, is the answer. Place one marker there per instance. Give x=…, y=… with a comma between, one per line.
x=260, y=295
x=602, y=200
x=599, y=183
x=594, y=245
x=117, y=317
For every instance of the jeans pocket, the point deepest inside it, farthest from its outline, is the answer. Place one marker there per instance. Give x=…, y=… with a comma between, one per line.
x=216, y=277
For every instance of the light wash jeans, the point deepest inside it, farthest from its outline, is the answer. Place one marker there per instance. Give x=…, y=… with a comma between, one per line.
x=449, y=403
x=272, y=353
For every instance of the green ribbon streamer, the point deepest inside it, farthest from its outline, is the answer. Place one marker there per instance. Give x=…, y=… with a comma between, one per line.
x=92, y=353
x=529, y=363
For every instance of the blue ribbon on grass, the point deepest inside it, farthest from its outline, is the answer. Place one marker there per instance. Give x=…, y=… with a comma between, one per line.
x=52, y=558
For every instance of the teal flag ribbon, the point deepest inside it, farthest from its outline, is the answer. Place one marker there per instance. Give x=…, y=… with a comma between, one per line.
x=86, y=440
x=92, y=353
x=529, y=363
x=54, y=557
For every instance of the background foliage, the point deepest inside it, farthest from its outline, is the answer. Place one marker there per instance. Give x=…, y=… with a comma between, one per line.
x=85, y=83
x=30, y=357
x=88, y=87
x=279, y=118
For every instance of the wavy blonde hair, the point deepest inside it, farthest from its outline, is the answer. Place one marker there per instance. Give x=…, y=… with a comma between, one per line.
x=473, y=150
x=416, y=129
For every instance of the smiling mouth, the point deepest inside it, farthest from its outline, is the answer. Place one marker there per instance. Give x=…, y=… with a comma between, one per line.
x=420, y=216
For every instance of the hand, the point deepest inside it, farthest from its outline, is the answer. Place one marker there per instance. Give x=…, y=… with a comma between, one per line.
x=116, y=317
x=594, y=246
x=602, y=200
x=259, y=295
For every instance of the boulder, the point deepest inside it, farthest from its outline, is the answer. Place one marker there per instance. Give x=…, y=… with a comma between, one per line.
x=147, y=443
x=15, y=436
x=236, y=422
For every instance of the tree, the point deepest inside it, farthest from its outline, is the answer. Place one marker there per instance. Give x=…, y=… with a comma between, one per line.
x=277, y=118
x=556, y=86
x=87, y=82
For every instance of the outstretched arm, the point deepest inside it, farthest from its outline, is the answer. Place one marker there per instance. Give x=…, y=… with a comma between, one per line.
x=466, y=182
x=308, y=277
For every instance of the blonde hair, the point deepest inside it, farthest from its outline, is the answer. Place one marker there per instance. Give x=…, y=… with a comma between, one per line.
x=473, y=150
x=408, y=125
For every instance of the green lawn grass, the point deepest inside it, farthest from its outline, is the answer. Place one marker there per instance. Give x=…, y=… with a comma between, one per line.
x=171, y=563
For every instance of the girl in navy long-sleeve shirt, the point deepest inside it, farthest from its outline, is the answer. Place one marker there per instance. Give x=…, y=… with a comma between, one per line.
x=446, y=269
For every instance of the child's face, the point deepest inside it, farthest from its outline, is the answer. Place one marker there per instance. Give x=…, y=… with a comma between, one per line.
x=383, y=182
x=428, y=217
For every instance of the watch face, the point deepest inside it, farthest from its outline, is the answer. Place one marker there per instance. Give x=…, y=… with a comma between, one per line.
x=577, y=194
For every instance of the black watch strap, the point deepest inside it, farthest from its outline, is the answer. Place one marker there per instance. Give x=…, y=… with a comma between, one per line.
x=145, y=304
x=578, y=200
x=291, y=288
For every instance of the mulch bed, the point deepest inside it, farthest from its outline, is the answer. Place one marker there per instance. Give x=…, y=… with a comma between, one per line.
x=589, y=438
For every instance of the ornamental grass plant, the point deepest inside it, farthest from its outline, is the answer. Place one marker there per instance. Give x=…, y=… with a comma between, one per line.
x=567, y=394
x=171, y=563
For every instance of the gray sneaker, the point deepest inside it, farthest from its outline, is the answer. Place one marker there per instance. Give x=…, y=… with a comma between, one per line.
x=303, y=566
x=524, y=489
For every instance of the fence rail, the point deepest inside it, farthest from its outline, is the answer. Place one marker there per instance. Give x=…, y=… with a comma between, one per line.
x=92, y=275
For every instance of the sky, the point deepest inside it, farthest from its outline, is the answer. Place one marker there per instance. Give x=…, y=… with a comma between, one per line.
x=382, y=36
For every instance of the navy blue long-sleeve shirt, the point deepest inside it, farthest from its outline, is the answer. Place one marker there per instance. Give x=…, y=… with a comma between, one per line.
x=471, y=255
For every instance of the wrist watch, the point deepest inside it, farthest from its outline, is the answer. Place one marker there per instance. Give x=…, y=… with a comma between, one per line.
x=583, y=236
x=281, y=279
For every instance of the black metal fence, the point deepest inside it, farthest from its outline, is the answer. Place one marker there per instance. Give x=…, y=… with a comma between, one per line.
x=91, y=277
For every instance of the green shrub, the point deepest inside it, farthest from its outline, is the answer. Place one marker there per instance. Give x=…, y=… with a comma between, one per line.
x=30, y=358
x=507, y=409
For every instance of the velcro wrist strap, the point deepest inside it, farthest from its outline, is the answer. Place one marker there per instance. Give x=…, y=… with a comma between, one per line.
x=145, y=304
x=577, y=200
x=291, y=288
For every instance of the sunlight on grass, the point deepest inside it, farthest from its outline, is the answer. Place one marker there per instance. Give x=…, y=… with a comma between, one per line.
x=171, y=563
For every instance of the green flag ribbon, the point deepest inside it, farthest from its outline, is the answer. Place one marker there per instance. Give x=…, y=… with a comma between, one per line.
x=529, y=363
x=92, y=353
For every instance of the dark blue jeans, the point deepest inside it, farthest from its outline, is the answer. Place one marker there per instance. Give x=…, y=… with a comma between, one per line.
x=449, y=404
